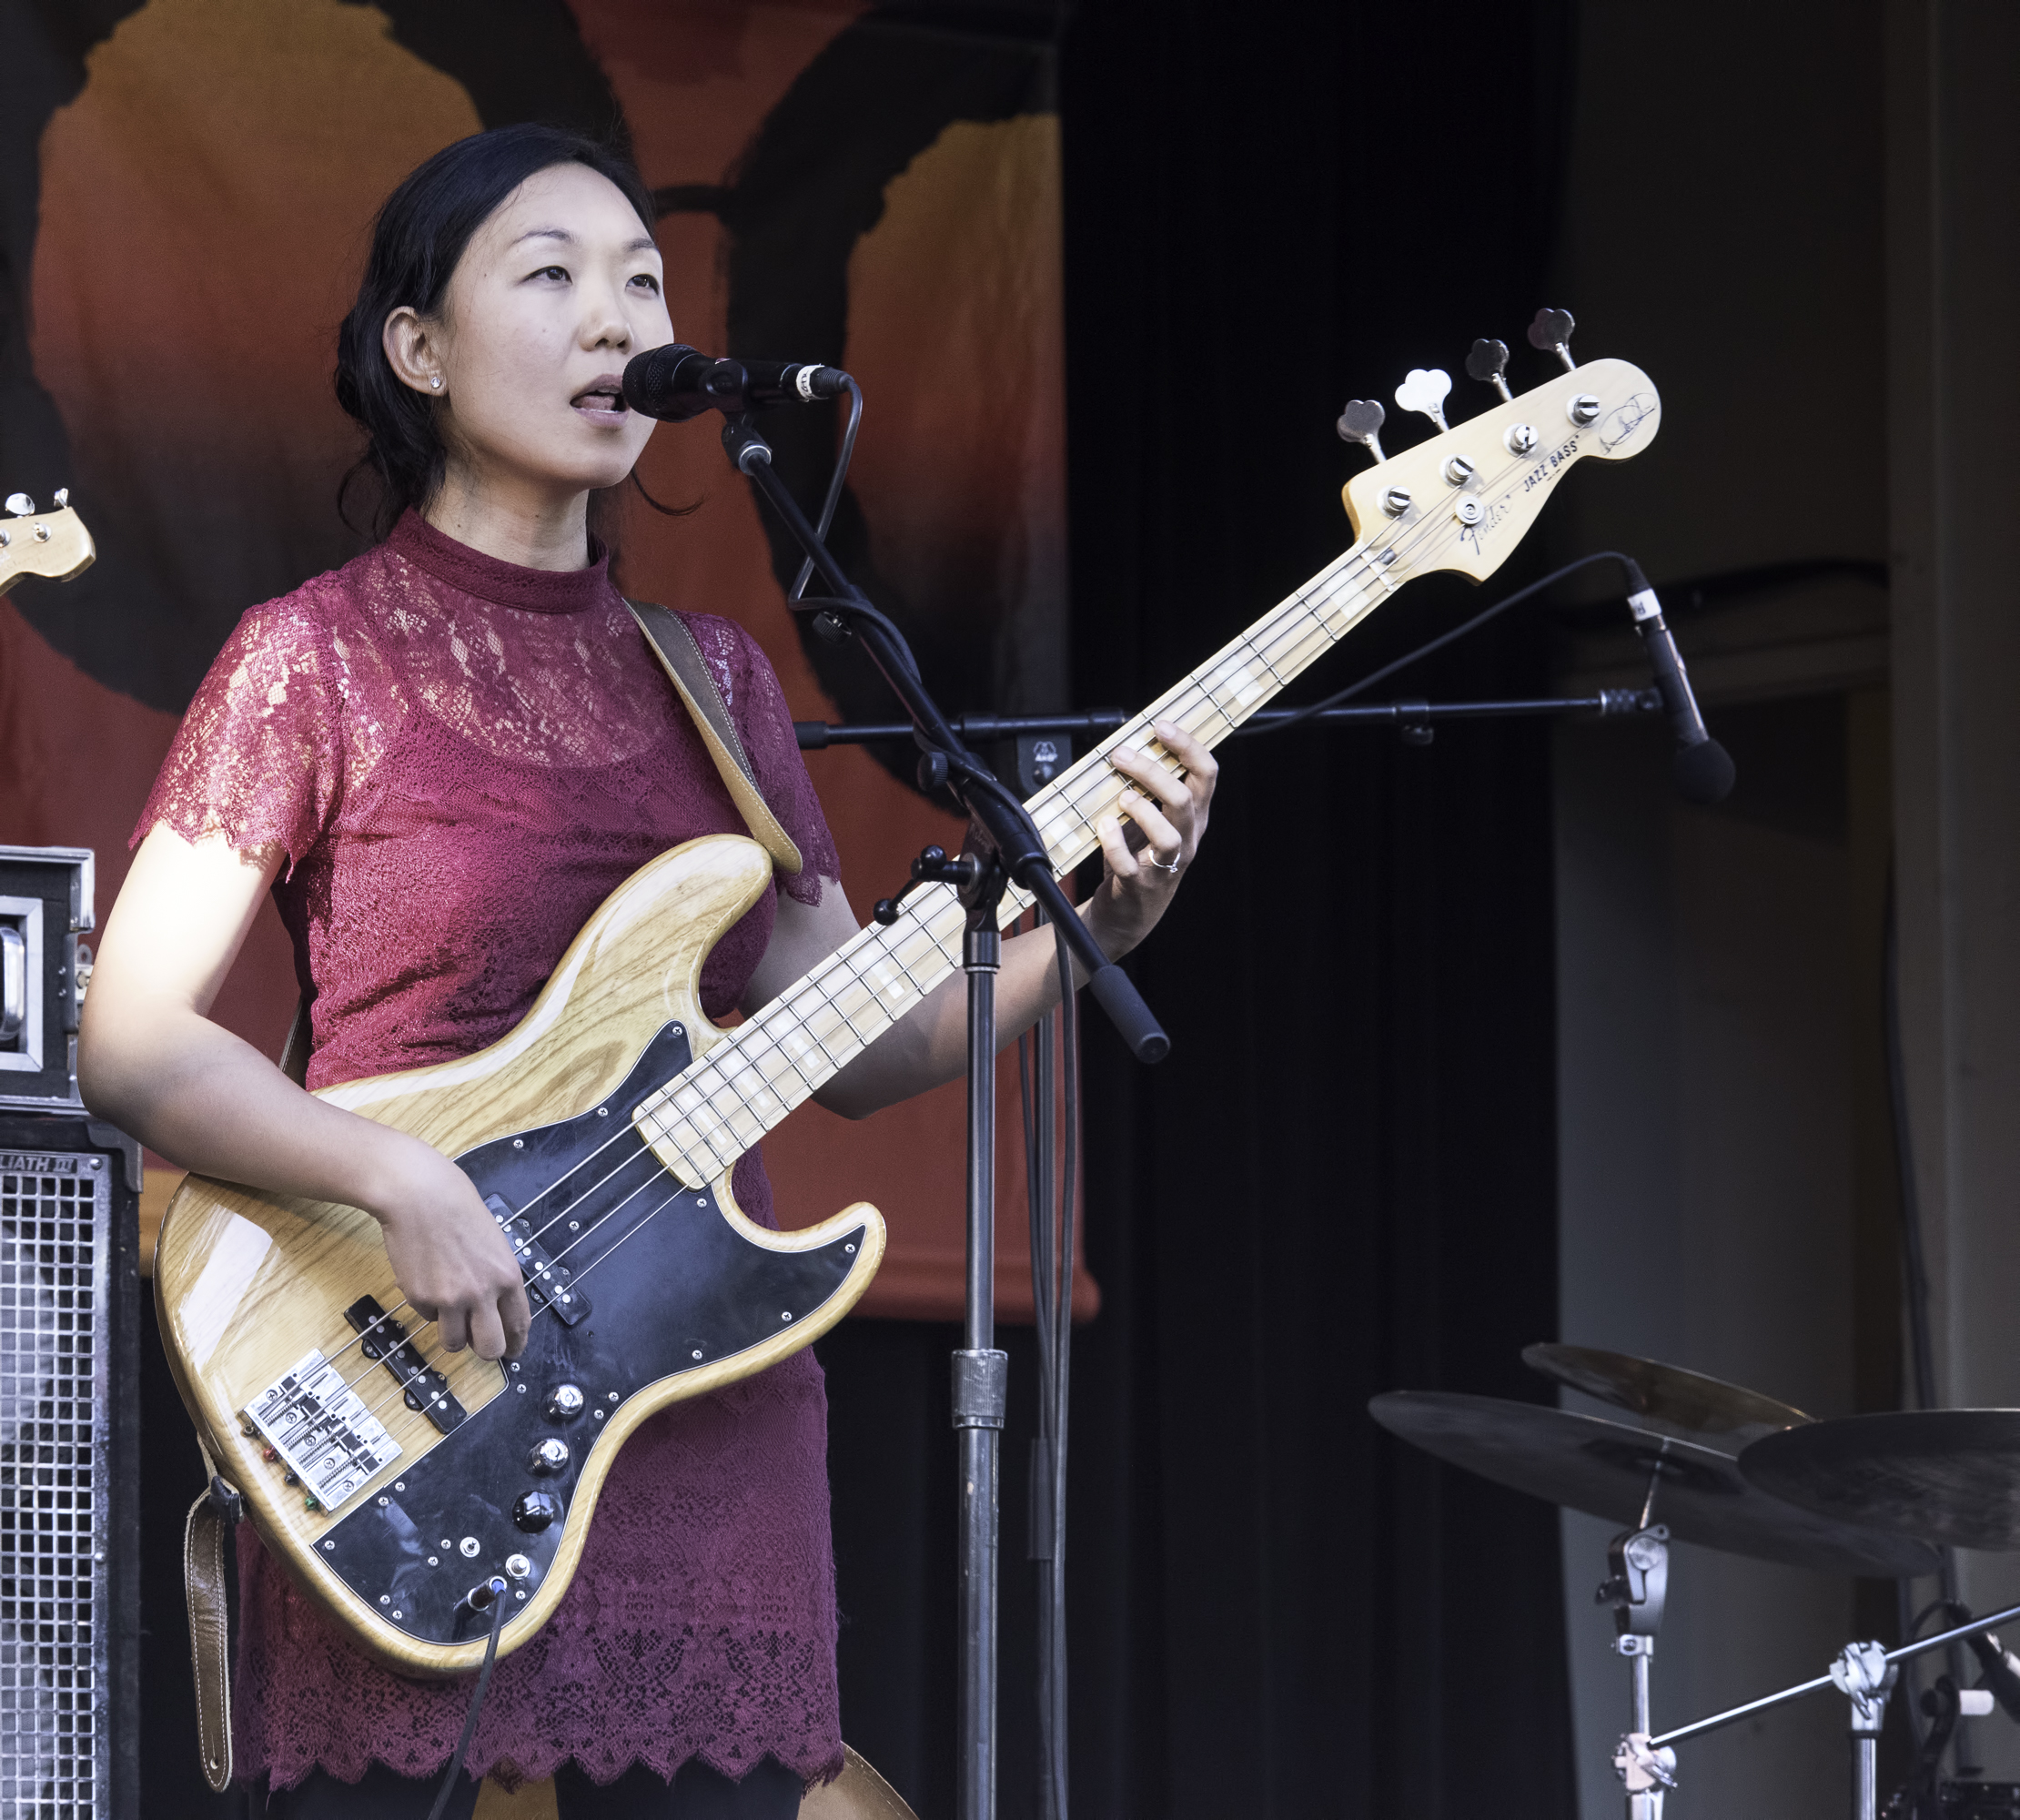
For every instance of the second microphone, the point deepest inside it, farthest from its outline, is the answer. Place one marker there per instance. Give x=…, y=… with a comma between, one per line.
x=677, y=382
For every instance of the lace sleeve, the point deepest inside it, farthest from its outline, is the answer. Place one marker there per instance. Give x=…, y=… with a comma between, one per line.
x=259, y=755
x=757, y=703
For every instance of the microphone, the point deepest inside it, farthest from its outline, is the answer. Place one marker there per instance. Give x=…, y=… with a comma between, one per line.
x=1701, y=767
x=676, y=382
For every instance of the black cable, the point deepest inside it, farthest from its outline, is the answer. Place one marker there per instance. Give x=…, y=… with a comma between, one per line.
x=1061, y=1328
x=497, y=1590
x=1438, y=644
x=1035, y=1086
x=857, y=609
x=842, y=460
x=664, y=511
x=1052, y=1275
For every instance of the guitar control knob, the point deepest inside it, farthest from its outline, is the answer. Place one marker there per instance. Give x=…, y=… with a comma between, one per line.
x=551, y=1456
x=564, y=1402
x=537, y=1510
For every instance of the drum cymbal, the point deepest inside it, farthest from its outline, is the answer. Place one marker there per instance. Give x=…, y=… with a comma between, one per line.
x=1605, y=1468
x=1947, y=1475
x=1679, y=1402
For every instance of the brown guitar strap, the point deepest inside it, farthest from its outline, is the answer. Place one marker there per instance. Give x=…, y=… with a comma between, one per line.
x=203, y=1586
x=680, y=657
x=203, y=1549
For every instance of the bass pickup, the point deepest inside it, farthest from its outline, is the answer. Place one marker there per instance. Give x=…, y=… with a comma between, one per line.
x=385, y=1341
x=548, y=1284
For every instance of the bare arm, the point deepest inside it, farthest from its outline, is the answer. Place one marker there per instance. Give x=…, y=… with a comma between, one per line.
x=1166, y=816
x=150, y=1059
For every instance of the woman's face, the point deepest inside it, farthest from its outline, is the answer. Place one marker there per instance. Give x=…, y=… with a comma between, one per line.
x=554, y=293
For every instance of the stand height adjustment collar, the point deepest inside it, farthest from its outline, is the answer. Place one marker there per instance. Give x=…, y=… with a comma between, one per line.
x=1866, y=1676
x=981, y=1388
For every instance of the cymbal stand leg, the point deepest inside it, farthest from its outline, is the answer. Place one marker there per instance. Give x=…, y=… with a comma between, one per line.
x=1865, y=1677
x=1636, y=1589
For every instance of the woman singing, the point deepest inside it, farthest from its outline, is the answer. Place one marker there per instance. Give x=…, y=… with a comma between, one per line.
x=440, y=758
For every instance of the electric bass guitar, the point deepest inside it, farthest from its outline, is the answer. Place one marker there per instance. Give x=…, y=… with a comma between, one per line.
x=52, y=544
x=392, y=1479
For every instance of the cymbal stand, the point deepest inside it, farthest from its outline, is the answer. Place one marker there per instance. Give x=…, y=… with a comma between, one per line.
x=1865, y=1674
x=1637, y=1588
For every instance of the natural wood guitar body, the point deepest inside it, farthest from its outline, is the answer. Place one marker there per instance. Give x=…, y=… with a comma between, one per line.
x=248, y=1284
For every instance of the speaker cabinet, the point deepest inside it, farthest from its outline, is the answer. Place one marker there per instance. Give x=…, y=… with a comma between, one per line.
x=69, y=1478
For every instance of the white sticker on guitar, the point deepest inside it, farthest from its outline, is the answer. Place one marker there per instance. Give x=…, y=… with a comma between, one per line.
x=321, y=1428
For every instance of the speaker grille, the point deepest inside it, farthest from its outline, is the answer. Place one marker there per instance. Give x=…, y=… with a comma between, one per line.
x=55, y=1369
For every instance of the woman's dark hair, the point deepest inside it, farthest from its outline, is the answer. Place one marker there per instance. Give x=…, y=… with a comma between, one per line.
x=418, y=239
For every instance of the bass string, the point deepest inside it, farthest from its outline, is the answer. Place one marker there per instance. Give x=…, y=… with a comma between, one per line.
x=1354, y=568
x=729, y=1054
x=814, y=978
x=403, y=1386
x=837, y=961
x=1342, y=576
x=365, y=1333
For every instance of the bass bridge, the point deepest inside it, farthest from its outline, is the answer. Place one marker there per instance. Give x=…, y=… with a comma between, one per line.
x=549, y=1284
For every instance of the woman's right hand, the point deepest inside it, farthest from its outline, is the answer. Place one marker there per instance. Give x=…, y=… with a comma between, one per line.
x=452, y=1262
x=150, y=1058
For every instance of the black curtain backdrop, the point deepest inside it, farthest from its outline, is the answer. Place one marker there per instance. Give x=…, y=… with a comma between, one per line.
x=1343, y=1181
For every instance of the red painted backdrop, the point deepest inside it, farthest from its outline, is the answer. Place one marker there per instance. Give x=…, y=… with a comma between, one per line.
x=201, y=202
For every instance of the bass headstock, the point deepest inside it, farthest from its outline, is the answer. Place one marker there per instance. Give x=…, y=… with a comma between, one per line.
x=1465, y=499
x=53, y=545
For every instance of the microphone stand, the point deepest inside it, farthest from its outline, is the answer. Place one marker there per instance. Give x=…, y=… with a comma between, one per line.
x=1004, y=848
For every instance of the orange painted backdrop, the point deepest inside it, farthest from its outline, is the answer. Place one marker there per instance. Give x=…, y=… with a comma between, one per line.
x=203, y=200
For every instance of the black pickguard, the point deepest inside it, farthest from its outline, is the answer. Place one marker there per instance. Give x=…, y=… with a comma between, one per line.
x=685, y=1290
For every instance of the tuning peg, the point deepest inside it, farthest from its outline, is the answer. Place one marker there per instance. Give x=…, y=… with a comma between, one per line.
x=20, y=504
x=1359, y=422
x=1488, y=363
x=62, y=498
x=1425, y=392
x=1552, y=331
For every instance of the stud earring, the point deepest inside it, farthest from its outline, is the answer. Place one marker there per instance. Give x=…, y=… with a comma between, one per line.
x=436, y=381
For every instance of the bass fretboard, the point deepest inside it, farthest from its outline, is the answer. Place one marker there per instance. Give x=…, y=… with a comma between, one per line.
x=710, y=1116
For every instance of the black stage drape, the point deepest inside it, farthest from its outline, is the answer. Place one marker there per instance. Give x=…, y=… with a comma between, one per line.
x=1343, y=1180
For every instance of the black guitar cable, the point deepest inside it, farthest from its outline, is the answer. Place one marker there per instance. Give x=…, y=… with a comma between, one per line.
x=841, y=473
x=497, y=1589
x=1438, y=644
x=1052, y=1273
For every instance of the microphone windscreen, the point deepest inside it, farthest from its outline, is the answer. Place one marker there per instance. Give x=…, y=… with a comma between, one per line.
x=1704, y=772
x=650, y=385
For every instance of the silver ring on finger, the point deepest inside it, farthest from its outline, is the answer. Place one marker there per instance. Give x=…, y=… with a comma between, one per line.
x=1178, y=860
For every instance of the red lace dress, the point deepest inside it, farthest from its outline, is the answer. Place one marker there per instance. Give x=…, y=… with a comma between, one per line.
x=462, y=758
